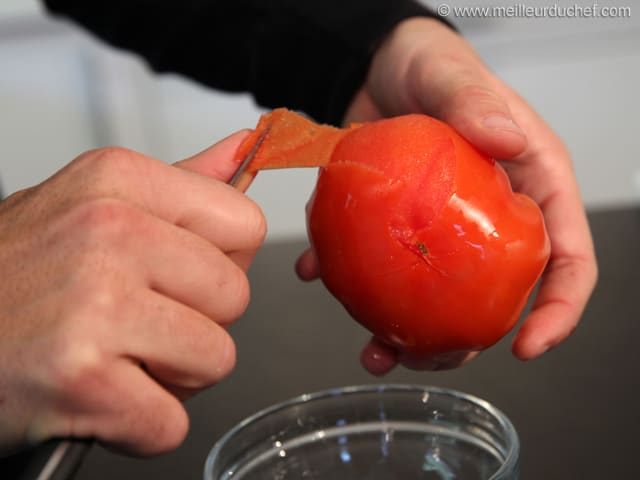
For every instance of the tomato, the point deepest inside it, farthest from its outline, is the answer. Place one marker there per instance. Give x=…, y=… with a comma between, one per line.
x=419, y=235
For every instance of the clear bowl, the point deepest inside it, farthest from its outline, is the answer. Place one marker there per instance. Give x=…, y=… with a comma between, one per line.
x=368, y=433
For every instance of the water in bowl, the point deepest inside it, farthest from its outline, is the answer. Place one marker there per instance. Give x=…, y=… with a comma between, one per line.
x=375, y=451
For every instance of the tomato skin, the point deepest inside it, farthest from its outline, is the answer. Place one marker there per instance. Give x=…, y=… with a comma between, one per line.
x=421, y=238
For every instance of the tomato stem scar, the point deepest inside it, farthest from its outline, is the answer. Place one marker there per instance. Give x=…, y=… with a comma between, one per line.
x=422, y=247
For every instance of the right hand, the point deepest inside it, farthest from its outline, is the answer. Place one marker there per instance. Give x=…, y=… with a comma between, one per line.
x=424, y=66
x=120, y=273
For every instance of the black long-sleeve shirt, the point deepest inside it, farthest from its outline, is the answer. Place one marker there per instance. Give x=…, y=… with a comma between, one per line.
x=302, y=54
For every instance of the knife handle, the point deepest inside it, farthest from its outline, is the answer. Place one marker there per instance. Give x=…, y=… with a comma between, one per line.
x=56, y=459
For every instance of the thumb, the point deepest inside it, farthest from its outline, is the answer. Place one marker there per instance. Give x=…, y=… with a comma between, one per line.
x=459, y=96
x=424, y=66
x=216, y=161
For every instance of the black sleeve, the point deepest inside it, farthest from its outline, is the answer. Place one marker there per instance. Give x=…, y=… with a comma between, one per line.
x=308, y=55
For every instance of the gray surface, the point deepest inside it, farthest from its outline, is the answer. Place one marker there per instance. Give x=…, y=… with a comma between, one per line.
x=576, y=409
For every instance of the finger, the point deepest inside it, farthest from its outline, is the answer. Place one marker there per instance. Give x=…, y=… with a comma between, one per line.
x=362, y=108
x=307, y=266
x=119, y=405
x=135, y=414
x=568, y=280
x=227, y=218
x=459, y=94
x=216, y=161
x=147, y=420
x=205, y=206
x=179, y=347
x=445, y=361
x=186, y=268
x=378, y=358
x=243, y=258
x=557, y=309
x=544, y=172
x=448, y=82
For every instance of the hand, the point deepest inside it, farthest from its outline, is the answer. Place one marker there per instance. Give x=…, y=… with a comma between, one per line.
x=424, y=66
x=120, y=273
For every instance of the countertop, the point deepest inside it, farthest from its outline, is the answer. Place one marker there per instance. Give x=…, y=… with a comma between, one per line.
x=576, y=409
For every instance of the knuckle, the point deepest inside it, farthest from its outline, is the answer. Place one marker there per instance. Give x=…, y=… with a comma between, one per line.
x=430, y=67
x=107, y=170
x=98, y=309
x=77, y=370
x=99, y=162
x=104, y=219
x=475, y=94
x=97, y=298
x=102, y=155
x=470, y=102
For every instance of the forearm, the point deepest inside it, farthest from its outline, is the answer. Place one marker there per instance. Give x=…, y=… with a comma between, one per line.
x=310, y=56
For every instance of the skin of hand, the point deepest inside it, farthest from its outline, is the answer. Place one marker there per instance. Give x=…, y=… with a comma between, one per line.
x=120, y=273
x=424, y=66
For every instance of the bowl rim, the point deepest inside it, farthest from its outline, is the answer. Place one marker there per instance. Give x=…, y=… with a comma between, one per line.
x=512, y=455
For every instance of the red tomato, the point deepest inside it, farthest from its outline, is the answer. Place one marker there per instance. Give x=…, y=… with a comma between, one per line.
x=421, y=238
x=418, y=234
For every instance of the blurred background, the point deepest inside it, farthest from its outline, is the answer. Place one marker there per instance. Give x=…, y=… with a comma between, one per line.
x=63, y=92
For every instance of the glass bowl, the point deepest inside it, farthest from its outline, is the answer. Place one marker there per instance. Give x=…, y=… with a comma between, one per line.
x=368, y=433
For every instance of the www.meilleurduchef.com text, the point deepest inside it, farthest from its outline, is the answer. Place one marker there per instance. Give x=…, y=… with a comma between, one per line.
x=522, y=10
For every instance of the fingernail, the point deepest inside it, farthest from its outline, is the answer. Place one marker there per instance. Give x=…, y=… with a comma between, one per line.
x=498, y=122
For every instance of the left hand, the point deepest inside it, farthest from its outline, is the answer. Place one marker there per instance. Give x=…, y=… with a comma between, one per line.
x=120, y=275
x=424, y=66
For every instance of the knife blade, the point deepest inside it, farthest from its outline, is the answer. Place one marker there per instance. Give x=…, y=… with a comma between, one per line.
x=242, y=179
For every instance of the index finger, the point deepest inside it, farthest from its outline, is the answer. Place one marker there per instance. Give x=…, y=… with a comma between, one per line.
x=545, y=173
x=567, y=282
x=191, y=194
x=216, y=161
